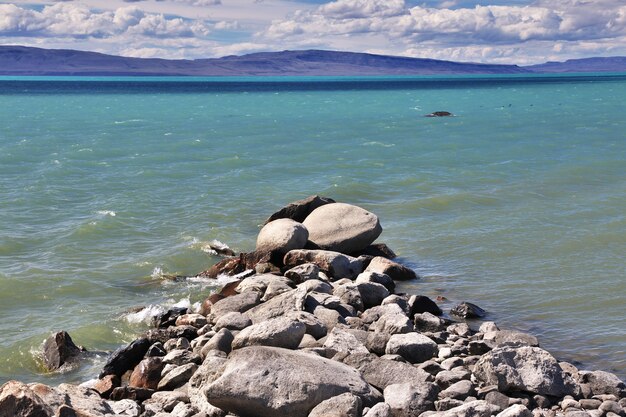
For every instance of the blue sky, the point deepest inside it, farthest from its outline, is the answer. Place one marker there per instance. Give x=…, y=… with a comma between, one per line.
x=494, y=31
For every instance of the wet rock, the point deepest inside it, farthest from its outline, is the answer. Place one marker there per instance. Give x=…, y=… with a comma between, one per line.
x=419, y=304
x=59, y=349
x=172, y=332
x=344, y=405
x=279, y=332
x=414, y=347
x=393, y=269
x=156, y=349
x=266, y=382
x=468, y=311
x=439, y=114
x=304, y=272
x=147, y=373
x=126, y=358
x=299, y=210
x=177, y=377
x=342, y=227
x=282, y=235
x=237, y=265
x=524, y=368
x=377, y=249
x=334, y=264
x=168, y=318
x=407, y=400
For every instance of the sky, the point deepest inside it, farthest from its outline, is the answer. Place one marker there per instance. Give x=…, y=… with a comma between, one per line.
x=490, y=31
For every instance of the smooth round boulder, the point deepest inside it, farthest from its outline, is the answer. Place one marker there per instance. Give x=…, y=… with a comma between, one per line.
x=342, y=227
x=282, y=235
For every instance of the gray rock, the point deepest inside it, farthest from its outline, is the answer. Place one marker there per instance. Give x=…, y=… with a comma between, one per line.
x=208, y=372
x=316, y=285
x=459, y=329
x=233, y=321
x=266, y=382
x=590, y=403
x=515, y=337
x=393, y=269
x=177, y=377
x=498, y=399
x=372, y=293
x=303, y=272
x=164, y=401
x=299, y=210
x=278, y=306
x=314, y=326
x=428, y=322
x=419, y=304
x=446, y=404
x=446, y=379
x=349, y=294
x=407, y=400
x=516, y=410
x=452, y=362
x=468, y=311
x=370, y=315
x=343, y=341
x=476, y=408
x=602, y=382
x=239, y=303
x=376, y=278
x=58, y=349
x=344, y=405
x=279, y=332
x=222, y=341
x=181, y=357
x=377, y=342
x=523, y=368
x=128, y=408
x=381, y=373
x=379, y=410
x=330, y=318
x=414, y=347
x=400, y=300
x=178, y=343
x=267, y=285
x=282, y=235
x=191, y=319
x=342, y=227
x=459, y=390
x=393, y=323
x=334, y=264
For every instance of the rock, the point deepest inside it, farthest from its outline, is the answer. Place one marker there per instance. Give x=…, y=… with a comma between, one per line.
x=371, y=315
x=344, y=405
x=451, y=363
x=303, y=273
x=460, y=329
x=419, y=304
x=498, y=399
x=330, y=318
x=382, y=373
x=342, y=227
x=20, y=400
x=393, y=269
x=106, y=385
x=446, y=379
x=278, y=306
x=233, y=321
x=156, y=349
x=400, y=300
x=126, y=358
x=439, y=114
x=476, y=347
x=282, y=235
x=164, y=401
x=177, y=377
x=476, y=408
x=523, y=368
x=59, y=349
x=459, y=390
x=314, y=326
x=238, y=303
x=245, y=262
x=349, y=294
x=375, y=277
x=372, y=293
x=414, y=347
x=379, y=410
x=169, y=317
x=147, y=373
x=393, y=323
x=408, y=400
x=222, y=341
x=428, y=322
x=342, y=341
x=377, y=249
x=172, y=332
x=279, y=332
x=590, y=403
x=515, y=337
x=602, y=382
x=210, y=370
x=446, y=404
x=131, y=393
x=128, y=408
x=334, y=264
x=194, y=319
x=299, y=210
x=611, y=407
x=181, y=357
x=468, y=311
x=267, y=381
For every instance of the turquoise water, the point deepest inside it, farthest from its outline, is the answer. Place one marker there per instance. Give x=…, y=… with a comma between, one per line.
x=517, y=203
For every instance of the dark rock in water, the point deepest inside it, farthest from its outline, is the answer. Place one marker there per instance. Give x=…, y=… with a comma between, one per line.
x=299, y=210
x=168, y=318
x=59, y=349
x=439, y=114
x=221, y=249
x=419, y=304
x=126, y=358
x=377, y=249
x=468, y=311
x=237, y=265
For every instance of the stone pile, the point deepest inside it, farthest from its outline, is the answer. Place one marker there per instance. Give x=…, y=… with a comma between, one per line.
x=312, y=327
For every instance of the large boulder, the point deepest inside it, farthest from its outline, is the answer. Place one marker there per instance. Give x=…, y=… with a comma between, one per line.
x=281, y=236
x=59, y=349
x=342, y=227
x=381, y=373
x=279, y=332
x=266, y=382
x=278, y=306
x=344, y=405
x=334, y=264
x=408, y=399
x=602, y=382
x=299, y=210
x=523, y=368
x=414, y=347
x=396, y=271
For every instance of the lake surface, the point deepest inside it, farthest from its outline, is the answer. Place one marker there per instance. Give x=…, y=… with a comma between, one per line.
x=517, y=203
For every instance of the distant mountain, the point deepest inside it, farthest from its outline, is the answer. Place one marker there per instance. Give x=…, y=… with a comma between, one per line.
x=21, y=60
x=609, y=64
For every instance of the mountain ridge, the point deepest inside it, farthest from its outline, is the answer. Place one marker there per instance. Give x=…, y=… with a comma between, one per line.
x=22, y=60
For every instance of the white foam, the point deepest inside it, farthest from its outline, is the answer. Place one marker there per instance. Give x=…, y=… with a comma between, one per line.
x=145, y=315
x=107, y=213
x=157, y=272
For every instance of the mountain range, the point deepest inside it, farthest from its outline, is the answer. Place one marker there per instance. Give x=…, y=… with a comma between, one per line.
x=21, y=60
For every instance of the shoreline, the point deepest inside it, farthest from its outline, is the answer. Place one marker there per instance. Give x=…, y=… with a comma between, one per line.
x=398, y=353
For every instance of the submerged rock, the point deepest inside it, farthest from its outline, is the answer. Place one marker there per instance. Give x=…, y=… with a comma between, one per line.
x=59, y=349
x=439, y=114
x=468, y=311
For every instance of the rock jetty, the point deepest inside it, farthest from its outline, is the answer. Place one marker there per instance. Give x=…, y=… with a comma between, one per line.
x=312, y=326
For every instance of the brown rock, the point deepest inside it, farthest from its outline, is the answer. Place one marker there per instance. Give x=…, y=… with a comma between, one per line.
x=106, y=385
x=59, y=349
x=396, y=271
x=237, y=265
x=147, y=373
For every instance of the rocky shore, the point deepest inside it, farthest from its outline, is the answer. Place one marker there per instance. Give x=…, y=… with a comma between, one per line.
x=311, y=326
